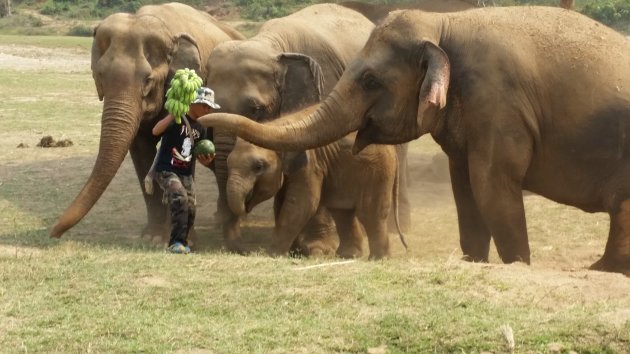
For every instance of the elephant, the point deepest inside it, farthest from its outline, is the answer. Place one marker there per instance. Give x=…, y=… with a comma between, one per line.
x=134, y=57
x=358, y=190
x=519, y=98
x=292, y=62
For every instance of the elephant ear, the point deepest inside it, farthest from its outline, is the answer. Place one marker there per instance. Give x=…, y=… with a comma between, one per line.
x=94, y=57
x=293, y=161
x=302, y=84
x=185, y=54
x=432, y=96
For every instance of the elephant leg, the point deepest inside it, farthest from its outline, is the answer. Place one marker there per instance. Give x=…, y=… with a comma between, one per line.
x=474, y=236
x=497, y=166
x=616, y=256
x=298, y=248
x=230, y=222
x=319, y=235
x=350, y=233
x=378, y=239
x=294, y=214
x=142, y=151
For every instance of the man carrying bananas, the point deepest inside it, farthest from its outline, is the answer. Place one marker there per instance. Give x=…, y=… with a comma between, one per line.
x=180, y=142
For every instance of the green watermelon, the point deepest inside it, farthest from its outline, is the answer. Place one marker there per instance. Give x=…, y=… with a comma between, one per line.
x=203, y=147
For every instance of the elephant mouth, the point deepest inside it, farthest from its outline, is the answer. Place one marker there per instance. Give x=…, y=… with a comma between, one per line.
x=363, y=138
x=249, y=198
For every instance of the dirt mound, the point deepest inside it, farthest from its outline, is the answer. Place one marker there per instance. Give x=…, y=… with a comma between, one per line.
x=48, y=141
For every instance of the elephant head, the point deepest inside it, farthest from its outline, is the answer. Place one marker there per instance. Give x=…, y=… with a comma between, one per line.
x=391, y=93
x=261, y=85
x=265, y=82
x=254, y=175
x=133, y=58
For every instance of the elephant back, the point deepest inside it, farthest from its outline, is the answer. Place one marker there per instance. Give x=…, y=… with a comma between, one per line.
x=331, y=34
x=202, y=27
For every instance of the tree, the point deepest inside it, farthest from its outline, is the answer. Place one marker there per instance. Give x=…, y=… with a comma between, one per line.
x=5, y=8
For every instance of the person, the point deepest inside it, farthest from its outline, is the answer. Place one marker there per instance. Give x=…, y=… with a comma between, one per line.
x=174, y=165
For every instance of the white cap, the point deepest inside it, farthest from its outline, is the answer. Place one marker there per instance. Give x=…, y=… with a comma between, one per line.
x=206, y=95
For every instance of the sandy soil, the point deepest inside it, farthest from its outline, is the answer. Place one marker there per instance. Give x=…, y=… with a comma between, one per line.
x=25, y=57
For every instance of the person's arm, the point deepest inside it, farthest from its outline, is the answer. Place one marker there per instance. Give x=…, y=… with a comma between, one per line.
x=161, y=126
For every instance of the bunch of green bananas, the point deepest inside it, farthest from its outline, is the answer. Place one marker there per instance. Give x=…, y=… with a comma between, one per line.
x=182, y=92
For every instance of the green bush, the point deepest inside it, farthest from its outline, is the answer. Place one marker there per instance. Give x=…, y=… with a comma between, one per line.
x=84, y=9
x=258, y=10
x=614, y=13
x=55, y=7
x=15, y=24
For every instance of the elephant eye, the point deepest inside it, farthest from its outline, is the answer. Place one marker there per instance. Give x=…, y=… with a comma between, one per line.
x=369, y=81
x=148, y=85
x=258, y=166
x=258, y=112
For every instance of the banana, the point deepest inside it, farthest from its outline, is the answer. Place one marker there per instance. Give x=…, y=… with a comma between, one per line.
x=182, y=92
x=168, y=104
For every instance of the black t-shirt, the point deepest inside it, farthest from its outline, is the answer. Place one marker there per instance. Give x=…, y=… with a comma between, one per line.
x=175, y=153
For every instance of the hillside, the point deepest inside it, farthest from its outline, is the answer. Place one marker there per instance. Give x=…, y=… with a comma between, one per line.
x=77, y=17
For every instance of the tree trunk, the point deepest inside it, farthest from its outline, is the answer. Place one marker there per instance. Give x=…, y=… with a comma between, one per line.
x=567, y=4
x=5, y=8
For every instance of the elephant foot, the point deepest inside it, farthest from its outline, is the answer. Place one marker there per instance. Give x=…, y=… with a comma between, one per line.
x=473, y=259
x=349, y=252
x=378, y=256
x=319, y=249
x=606, y=264
x=275, y=253
x=156, y=234
x=234, y=246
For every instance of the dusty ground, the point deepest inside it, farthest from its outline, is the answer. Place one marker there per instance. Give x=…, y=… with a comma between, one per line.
x=564, y=241
x=25, y=57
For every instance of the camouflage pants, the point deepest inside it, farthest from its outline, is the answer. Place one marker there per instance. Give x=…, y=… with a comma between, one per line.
x=179, y=194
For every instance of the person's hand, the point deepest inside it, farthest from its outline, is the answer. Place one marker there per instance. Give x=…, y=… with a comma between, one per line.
x=205, y=159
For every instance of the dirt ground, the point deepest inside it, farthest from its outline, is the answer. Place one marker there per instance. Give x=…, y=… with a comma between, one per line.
x=25, y=57
x=564, y=241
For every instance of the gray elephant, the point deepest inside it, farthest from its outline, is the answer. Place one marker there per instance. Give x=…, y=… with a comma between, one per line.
x=534, y=98
x=358, y=190
x=134, y=57
x=291, y=63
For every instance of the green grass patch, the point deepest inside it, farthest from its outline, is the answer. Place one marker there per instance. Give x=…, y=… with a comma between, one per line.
x=81, y=43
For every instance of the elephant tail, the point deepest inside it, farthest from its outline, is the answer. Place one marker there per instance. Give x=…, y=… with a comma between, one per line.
x=395, y=196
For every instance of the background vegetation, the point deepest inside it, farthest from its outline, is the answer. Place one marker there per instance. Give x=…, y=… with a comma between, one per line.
x=614, y=13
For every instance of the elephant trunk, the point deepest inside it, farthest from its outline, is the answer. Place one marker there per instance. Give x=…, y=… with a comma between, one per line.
x=120, y=123
x=236, y=195
x=224, y=142
x=312, y=127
